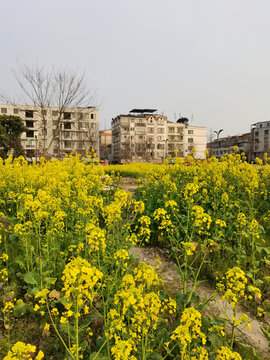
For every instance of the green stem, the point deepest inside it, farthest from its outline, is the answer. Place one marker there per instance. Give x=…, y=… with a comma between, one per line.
x=196, y=278
x=57, y=332
x=77, y=328
x=233, y=326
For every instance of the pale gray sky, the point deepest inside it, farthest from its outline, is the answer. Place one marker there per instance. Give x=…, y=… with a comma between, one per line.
x=209, y=58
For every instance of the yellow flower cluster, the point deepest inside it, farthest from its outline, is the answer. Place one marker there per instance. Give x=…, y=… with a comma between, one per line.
x=224, y=353
x=165, y=223
x=95, y=237
x=80, y=279
x=22, y=351
x=121, y=256
x=189, y=329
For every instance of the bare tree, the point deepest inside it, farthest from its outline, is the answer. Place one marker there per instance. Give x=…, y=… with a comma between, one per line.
x=59, y=88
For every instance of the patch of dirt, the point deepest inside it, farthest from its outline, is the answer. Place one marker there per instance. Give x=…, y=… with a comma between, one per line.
x=128, y=184
x=216, y=308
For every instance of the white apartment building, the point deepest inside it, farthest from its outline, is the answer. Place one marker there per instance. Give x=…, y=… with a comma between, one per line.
x=195, y=138
x=143, y=135
x=139, y=136
x=53, y=133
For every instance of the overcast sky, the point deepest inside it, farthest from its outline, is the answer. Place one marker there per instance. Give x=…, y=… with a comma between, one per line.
x=206, y=58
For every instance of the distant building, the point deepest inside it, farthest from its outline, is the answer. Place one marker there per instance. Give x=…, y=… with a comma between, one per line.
x=260, y=134
x=143, y=135
x=105, y=145
x=195, y=138
x=139, y=136
x=220, y=147
x=77, y=130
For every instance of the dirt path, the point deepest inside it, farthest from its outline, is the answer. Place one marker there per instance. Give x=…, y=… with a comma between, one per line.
x=217, y=307
x=128, y=184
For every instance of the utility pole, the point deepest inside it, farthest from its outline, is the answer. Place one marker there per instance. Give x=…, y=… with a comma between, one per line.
x=218, y=133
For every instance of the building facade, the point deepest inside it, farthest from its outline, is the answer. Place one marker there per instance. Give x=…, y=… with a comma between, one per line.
x=105, y=145
x=143, y=135
x=139, y=136
x=260, y=139
x=226, y=145
x=53, y=133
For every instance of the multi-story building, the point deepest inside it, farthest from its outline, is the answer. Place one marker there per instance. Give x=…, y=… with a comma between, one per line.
x=139, y=136
x=260, y=139
x=184, y=140
x=143, y=135
x=220, y=147
x=54, y=134
x=105, y=145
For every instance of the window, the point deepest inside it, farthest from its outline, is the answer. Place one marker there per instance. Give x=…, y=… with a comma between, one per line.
x=15, y=111
x=29, y=123
x=160, y=130
x=190, y=147
x=171, y=130
x=3, y=110
x=160, y=146
x=132, y=129
x=54, y=113
x=150, y=121
x=160, y=121
x=265, y=132
x=179, y=130
x=93, y=116
x=151, y=130
x=190, y=132
x=160, y=138
x=29, y=113
x=190, y=140
x=66, y=134
x=67, y=144
x=30, y=133
x=256, y=133
x=260, y=125
x=67, y=115
x=44, y=112
x=67, y=126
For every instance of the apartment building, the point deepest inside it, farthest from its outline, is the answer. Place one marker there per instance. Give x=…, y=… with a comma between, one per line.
x=139, y=136
x=195, y=138
x=53, y=133
x=144, y=135
x=225, y=145
x=105, y=145
x=259, y=139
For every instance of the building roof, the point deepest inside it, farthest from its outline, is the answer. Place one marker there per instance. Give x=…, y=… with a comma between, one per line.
x=142, y=111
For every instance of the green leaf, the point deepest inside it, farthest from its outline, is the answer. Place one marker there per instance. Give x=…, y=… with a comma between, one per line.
x=216, y=341
x=20, y=308
x=154, y=356
x=258, y=282
x=266, y=332
x=50, y=281
x=20, y=260
x=247, y=352
x=32, y=278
